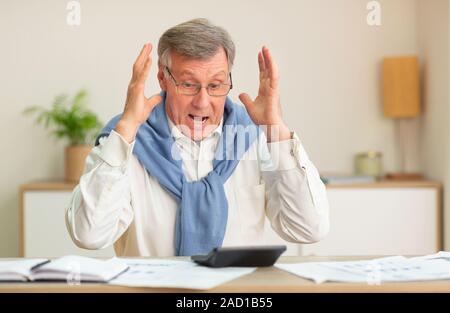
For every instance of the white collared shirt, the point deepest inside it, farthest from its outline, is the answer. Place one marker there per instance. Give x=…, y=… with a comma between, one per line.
x=274, y=194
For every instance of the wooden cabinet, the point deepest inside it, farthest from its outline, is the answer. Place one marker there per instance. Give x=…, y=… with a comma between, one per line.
x=383, y=218
x=43, y=231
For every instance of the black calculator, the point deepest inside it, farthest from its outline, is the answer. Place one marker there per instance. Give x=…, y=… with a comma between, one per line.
x=250, y=256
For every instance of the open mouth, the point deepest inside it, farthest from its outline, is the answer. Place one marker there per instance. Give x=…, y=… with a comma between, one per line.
x=198, y=119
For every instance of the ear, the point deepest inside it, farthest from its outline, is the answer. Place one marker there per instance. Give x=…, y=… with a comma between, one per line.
x=162, y=79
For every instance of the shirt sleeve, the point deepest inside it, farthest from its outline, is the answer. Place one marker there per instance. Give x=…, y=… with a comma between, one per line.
x=296, y=199
x=100, y=209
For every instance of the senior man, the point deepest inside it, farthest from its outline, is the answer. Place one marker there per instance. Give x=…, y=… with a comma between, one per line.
x=183, y=171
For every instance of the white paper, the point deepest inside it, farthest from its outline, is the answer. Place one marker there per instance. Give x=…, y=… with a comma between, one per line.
x=440, y=255
x=389, y=269
x=176, y=274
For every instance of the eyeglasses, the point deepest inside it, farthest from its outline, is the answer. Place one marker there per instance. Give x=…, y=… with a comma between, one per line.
x=190, y=89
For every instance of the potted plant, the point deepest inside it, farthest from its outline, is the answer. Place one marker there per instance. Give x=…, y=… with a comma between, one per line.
x=70, y=119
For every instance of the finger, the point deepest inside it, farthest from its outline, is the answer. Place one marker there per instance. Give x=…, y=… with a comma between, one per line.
x=247, y=101
x=265, y=53
x=154, y=100
x=261, y=66
x=140, y=61
x=271, y=67
x=144, y=74
x=143, y=54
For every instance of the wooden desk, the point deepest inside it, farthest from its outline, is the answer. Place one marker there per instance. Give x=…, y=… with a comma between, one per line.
x=268, y=279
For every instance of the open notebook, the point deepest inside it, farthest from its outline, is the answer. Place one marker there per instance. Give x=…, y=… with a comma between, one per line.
x=67, y=268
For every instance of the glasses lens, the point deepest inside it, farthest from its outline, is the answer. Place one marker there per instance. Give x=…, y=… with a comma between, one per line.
x=218, y=90
x=188, y=88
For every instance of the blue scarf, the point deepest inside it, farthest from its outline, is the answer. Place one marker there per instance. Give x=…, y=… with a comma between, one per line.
x=202, y=217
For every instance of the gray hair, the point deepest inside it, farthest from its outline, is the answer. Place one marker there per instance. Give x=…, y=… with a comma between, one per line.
x=197, y=39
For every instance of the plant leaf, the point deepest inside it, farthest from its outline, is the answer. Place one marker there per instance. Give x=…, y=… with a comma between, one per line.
x=68, y=119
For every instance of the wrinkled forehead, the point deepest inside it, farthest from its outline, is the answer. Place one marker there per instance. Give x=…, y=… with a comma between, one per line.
x=216, y=65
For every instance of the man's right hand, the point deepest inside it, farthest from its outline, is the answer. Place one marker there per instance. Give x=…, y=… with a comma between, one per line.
x=137, y=107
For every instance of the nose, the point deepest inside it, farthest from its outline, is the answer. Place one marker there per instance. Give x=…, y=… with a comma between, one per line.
x=201, y=100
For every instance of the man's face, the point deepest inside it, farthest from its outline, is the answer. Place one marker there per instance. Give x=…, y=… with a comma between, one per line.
x=196, y=116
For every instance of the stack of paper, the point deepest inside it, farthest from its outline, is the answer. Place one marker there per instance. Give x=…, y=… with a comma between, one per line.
x=176, y=274
x=389, y=269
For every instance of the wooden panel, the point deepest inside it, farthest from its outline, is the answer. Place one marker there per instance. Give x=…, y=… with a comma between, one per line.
x=389, y=184
x=48, y=185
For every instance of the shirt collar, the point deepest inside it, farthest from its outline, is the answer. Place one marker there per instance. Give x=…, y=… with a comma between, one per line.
x=177, y=134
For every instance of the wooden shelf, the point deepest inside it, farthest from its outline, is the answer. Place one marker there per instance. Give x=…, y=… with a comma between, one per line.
x=390, y=184
x=48, y=185
x=63, y=185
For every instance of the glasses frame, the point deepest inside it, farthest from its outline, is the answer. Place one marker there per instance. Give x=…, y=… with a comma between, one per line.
x=199, y=86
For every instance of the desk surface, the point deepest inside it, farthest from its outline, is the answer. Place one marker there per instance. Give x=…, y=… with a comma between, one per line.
x=268, y=279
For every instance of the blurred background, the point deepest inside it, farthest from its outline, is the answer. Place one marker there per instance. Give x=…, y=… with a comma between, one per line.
x=330, y=55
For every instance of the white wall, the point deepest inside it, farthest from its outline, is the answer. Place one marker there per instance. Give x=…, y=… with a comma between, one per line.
x=434, y=41
x=329, y=61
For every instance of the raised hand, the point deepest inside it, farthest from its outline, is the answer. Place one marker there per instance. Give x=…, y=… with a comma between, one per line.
x=265, y=110
x=137, y=106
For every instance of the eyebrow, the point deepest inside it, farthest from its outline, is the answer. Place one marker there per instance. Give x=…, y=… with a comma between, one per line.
x=188, y=72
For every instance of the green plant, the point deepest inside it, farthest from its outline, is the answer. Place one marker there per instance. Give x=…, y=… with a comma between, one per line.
x=69, y=119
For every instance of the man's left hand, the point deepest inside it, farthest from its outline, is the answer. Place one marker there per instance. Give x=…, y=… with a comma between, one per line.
x=265, y=110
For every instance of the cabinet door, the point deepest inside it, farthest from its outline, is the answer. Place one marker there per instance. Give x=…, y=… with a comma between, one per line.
x=45, y=232
x=380, y=221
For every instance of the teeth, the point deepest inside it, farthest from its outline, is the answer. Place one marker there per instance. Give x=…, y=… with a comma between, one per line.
x=198, y=118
